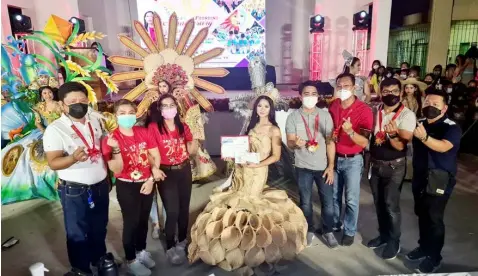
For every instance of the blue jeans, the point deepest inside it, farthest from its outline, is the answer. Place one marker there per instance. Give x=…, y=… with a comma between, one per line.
x=348, y=173
x=305, y=180
x=85, y=227
x=154, y=210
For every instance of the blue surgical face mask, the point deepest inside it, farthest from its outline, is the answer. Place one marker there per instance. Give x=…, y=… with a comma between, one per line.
x=126, y=121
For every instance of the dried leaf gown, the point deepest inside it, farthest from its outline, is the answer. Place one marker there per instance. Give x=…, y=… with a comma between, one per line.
x=248, y=225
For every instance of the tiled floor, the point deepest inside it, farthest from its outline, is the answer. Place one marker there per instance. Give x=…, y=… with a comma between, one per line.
x=39, y=227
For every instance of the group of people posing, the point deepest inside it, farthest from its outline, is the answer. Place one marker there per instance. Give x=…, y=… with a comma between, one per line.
x=329, y=148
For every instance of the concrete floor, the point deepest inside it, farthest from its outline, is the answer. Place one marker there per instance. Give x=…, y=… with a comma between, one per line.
x=38, y=225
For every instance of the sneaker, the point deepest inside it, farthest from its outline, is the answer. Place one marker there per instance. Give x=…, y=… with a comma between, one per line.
x=138, y=269
x=416, y=254
x=181, y=246
x=330, y=240
x=155, y=232
x=173, y=256
x=310, y=238
x=428, y=266
x=376, y=243
x=391, y=250
x=347, y=240
x=145, y=258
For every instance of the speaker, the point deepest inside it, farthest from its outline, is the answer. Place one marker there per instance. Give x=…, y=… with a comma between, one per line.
x=81, y=22
x=21, y=23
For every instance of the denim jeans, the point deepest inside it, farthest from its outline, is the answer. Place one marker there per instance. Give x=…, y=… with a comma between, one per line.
x=85, y=227
x=386, y=184
x=305, y=180
x=348, y=173
x=154, y=215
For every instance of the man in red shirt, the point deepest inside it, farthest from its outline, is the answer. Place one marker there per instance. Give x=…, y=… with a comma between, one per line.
x=353, y=122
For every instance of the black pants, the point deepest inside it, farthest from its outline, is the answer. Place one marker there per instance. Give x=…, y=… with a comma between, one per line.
x=175, y=193
x=386, y=184
x=85, y=227
x=430, y=210
x=135, y=208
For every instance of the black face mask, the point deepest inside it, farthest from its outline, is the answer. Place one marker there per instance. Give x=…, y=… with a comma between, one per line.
x=390, y=100
x=428, y=82
x=431, y=112
x=437, y=73
x=78, y=110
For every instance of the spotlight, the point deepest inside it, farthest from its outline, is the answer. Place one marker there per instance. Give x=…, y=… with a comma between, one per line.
x=361, y=20
x=21, y=24
x=81, y=22
x=317, y=23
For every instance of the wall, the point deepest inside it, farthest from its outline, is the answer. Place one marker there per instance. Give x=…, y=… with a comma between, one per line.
x=39, y=11
x=465, y=10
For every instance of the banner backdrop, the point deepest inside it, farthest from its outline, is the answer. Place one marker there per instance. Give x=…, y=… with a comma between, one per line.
x=236, y=25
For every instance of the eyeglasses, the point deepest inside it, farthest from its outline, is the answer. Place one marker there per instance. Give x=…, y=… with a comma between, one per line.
x=394, y=92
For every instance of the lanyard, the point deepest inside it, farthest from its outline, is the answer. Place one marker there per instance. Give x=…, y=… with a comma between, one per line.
x=393, y=118
x=93, y=152
x=316, y=128
x=134, y=155
x=338, y=129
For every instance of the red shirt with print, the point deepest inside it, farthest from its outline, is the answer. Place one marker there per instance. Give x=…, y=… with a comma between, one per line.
x=134, y=152
x=171, y=145
x=361, y=117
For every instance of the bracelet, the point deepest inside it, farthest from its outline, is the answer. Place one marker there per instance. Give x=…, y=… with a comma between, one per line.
x=117, y=151
x=351, y=134
x=425, y=139
x=393, y=136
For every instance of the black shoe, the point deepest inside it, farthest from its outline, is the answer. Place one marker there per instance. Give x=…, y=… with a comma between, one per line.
x=416, y=254
x=347, y=240
x=376, y=243
x=338, y=228
x=391, y=250
x=428, y=266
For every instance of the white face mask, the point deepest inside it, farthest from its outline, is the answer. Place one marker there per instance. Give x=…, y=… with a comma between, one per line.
x=449, y=90
x=344, y=94
x=310, y=101
x=389, y=75
x=375, y=67
x=404, y=77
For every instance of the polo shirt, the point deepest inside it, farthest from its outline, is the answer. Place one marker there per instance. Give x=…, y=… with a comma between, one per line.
x=60, y=136
x=361, y=118
x=295, y=125
x=406, y=120
x=425, y=158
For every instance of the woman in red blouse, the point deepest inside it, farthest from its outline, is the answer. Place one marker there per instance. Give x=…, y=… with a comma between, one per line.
x=126, y=149
x=175, y=143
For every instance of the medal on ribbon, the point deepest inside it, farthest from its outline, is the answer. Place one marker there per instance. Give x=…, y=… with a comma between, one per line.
x=338, y=129
x=381, y=136
x=312, y=145
x=136, y=175
x=94, y=154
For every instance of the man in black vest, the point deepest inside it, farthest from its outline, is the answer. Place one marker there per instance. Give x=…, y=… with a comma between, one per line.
x=393, y=129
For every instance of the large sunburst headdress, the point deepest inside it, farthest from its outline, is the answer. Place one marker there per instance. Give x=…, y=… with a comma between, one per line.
x=168, y=60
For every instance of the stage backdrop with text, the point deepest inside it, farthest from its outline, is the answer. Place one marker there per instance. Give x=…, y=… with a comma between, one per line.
x=238, y=26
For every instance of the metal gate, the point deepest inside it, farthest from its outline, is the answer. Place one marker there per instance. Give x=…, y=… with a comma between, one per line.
x=462, y=34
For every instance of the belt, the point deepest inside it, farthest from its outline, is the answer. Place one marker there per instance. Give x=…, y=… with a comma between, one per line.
x=72, y=184
x=397, y=161
x=347, y=155
x=131, y=180
x=174, y=167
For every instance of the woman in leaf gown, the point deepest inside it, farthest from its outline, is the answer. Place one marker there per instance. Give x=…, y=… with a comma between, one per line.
x=25, y=172
x=249, y=224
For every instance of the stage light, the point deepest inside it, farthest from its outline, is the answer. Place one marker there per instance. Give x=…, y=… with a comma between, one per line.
x=21, y=24
x=361, y=20
x=81, y=22
x=18, y=17
x=317, y=23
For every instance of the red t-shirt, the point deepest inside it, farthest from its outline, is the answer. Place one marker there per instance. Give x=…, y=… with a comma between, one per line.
x=171, y=146
x=361, y=117
x=134, y=151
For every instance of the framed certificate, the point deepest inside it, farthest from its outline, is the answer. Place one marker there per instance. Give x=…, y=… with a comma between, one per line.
x=233, y=146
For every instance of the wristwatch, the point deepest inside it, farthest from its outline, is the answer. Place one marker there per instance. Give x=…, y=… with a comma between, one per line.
x=393, y=136
x=351, y=134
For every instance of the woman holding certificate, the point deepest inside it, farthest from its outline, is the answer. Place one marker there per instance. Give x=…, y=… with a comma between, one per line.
x=175, y=143
x=126, y=149
x=249, y=224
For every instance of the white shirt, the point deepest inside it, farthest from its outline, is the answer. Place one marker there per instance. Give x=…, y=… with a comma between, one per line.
x=406, y=120
x=60, y=136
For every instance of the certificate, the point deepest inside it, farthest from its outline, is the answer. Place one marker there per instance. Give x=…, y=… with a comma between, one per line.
x=233, y=146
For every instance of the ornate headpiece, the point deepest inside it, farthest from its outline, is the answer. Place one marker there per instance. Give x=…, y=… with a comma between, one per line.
x=348, y=57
